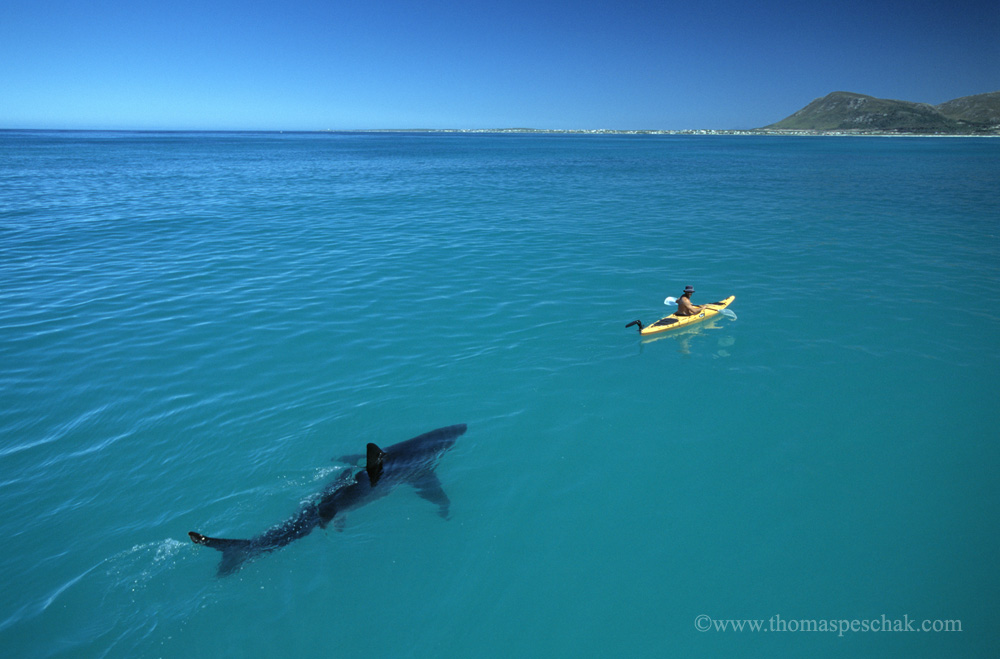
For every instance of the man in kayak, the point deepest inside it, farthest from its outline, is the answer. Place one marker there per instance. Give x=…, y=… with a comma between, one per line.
x=684, y=306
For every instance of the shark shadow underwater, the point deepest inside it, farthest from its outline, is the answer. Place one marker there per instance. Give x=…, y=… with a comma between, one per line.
x=411, y=462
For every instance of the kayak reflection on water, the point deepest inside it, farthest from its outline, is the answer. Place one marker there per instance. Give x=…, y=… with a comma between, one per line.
x=686, y=337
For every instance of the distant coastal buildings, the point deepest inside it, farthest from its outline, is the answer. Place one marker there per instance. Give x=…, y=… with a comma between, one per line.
x=749, y=131
x=841, y=114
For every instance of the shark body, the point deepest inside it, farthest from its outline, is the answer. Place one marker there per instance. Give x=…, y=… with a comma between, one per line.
x=411, y=462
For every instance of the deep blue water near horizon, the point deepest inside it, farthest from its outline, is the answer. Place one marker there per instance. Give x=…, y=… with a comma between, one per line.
x=193, y=325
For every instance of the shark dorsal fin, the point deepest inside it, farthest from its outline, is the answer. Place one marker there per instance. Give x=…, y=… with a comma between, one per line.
x=374, y=463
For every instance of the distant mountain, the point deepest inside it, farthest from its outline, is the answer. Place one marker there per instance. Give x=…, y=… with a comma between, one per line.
x=982, y=108
x=845, y=111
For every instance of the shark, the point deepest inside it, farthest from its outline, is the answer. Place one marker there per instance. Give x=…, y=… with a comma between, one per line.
x=411, y=462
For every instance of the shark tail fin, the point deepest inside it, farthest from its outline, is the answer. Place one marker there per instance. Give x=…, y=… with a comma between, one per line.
x=234, y=552
x=374, y=463
x=634, y=322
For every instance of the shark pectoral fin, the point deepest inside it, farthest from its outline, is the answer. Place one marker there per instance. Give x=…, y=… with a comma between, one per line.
x=326, y=511
x=373, y=464
x=354, y=459
x=429, y=487
x=339, y=524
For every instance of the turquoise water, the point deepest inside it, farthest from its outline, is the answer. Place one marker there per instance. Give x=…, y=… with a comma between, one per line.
x=193, y=325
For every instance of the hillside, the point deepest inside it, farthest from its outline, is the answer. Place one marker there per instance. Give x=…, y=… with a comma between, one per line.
x=982, y=108
x=846, y=111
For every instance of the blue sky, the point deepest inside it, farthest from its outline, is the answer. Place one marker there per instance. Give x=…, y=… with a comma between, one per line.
x=355, y=64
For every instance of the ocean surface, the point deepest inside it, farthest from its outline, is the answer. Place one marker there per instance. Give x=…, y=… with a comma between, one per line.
x=193, y=326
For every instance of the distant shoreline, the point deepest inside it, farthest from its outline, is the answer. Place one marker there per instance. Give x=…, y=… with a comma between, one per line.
x=748, y=131
x=518, y=131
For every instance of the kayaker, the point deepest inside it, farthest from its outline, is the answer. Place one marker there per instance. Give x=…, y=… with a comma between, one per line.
x=684, y=306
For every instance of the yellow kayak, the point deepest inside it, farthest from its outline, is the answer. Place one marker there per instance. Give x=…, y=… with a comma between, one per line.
x=673, y=321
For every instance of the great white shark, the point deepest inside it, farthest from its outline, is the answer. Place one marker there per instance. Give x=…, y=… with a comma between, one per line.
x=411, y=462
